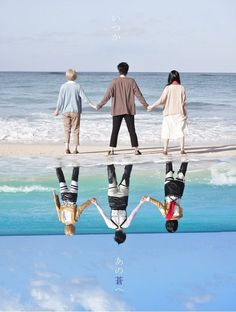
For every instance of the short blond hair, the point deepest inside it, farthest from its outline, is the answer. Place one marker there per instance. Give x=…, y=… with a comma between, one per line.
x=71, y=74
x=69, y=230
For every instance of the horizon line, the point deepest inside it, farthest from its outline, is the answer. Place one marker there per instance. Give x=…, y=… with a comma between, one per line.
x=62, y=72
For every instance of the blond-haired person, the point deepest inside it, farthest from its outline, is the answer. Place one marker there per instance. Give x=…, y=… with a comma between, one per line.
x=69, y=103
x=68, y=213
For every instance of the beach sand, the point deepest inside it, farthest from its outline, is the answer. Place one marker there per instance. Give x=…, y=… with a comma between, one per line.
x=57, y=150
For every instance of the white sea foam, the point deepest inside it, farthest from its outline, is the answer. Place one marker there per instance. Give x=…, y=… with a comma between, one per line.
x=223, y=176
x=24, y=189
x=96, y=128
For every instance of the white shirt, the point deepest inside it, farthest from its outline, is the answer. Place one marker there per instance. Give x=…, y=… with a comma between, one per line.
x=67, y=217
x=118, y=217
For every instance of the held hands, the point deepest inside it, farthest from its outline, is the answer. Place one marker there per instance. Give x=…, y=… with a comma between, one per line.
x=149, y=108
x=93, y=200
x=145, y=198
x=94, y=107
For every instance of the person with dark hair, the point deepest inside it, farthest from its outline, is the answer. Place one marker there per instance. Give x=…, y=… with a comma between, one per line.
x=67, y=211
x=174, y=123
x=118, y=202
x=174, y=189
x=123, y=91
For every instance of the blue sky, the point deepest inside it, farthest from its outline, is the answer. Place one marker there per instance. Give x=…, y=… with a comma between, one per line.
x=93, y=35
x=191, y=272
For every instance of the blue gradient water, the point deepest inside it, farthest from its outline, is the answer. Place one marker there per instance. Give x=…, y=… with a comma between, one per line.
x=27, y=206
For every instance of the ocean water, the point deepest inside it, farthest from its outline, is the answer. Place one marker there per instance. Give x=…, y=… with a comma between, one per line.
x=27, y=206
x=27, y=101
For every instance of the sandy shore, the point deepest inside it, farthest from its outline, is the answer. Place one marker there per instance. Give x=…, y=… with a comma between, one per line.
x=57, y=150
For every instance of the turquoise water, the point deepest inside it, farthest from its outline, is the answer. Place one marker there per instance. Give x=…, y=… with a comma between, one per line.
x=27, y=206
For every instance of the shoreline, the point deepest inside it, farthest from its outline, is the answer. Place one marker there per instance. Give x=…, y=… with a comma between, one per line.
x=57, y=150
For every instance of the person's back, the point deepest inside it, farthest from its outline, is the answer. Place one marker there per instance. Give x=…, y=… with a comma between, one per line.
x=122, y=90
x=70, y=92
x=123, y=96
x=69, y=103
x=175, y=100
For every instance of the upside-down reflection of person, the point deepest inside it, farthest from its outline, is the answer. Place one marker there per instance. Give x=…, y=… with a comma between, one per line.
x=118, y=202
x=174, y=189
x=67, y=211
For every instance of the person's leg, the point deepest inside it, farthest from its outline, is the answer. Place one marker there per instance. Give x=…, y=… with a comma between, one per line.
x=125, y=180
x=76, y=128
x=165, y=147
x=67, y=129
x=182, y=140
x=116, y=123
x=62, y=181
x=129, y=119
x=182, y=171
x=169, y=172
x=112, y=181
x=74, y=182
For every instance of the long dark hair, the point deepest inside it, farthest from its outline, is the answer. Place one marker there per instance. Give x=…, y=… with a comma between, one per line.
x=173, y=76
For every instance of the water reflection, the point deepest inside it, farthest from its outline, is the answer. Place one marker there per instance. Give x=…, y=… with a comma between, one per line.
x=67, y=211
x=110, y=196
x=118, y=195
x=174, y=188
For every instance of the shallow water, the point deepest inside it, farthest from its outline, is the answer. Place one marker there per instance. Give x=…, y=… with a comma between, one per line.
x=27, y=206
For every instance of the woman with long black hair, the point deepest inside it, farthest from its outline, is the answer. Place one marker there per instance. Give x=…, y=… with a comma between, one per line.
x=173, y=99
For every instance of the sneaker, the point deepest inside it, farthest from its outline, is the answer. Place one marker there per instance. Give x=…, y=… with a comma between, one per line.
x=67, y=151
x=110, y=153
x=75, y=152
x=137, y=152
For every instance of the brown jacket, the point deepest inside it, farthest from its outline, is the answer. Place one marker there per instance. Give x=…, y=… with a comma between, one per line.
x=164, y=209
x=123, y=90
x=76, y=212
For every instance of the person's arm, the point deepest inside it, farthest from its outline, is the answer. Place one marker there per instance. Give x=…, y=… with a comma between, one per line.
x=139, y=95
x=184, y=103
x=160, y=101
x=57, y=204
x=156, y=203
x=59, y=101
x=180, y=213
x=108, y=222
x=107, y=96
x=84, y=97
x=133, y=213
x=81, y=209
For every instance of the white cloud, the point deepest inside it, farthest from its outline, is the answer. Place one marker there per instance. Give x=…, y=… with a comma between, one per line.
x=10, y=302
x=48, y=292
x=193, y=301
x=75, y=294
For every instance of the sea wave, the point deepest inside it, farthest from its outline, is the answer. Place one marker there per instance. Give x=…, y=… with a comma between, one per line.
x=24, y=189
x=223, y=177
x=44, y=128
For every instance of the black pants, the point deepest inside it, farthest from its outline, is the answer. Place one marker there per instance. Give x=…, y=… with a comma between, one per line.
x=175, y=187
x=118, y=194
x=117, y=120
